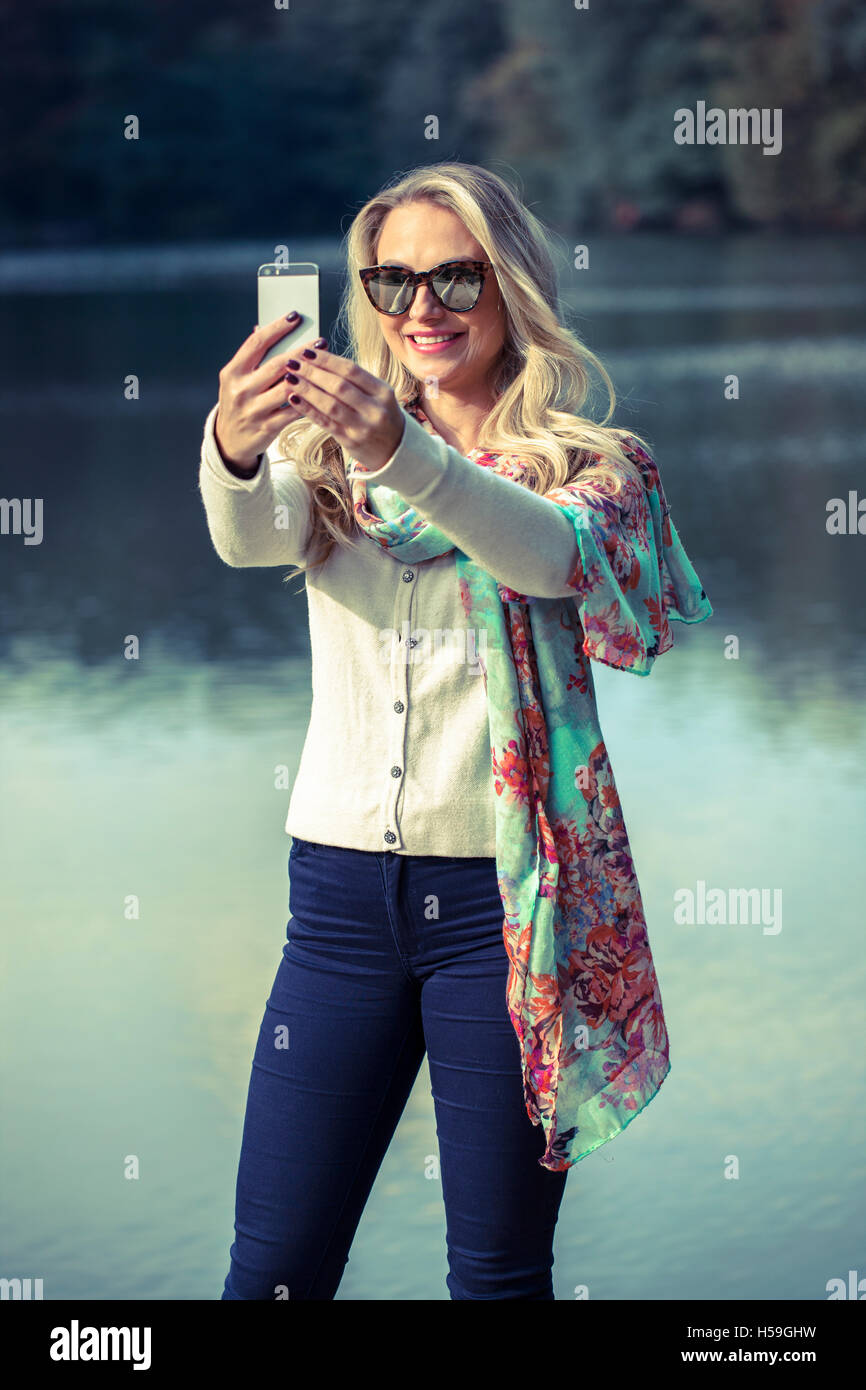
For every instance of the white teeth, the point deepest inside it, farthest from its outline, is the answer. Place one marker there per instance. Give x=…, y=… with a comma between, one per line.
x=428, y=338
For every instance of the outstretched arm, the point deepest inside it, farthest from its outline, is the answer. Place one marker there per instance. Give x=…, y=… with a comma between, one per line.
x=261, y=520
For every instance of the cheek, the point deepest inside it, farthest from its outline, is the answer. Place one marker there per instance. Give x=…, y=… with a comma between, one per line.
x=492, y=336
x=394, y=339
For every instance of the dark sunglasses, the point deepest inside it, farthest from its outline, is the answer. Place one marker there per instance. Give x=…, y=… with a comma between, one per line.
x=456, y=284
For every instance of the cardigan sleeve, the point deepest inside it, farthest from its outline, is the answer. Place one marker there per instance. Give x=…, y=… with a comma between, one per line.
x=520, y=538
x=632, y=574
x=262, y=520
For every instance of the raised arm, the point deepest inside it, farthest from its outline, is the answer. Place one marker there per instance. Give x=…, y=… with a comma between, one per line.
x=260, y=520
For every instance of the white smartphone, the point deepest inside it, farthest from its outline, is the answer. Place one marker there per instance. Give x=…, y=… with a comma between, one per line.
x=282, y=288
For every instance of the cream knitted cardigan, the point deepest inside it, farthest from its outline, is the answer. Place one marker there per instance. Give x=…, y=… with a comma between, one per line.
x=397, y=753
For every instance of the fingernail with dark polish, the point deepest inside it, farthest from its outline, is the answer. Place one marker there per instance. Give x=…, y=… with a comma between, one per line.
x=320, y=342
x=290, y=318
x=308, y=352
x=290, y=376
x=294, y=399
x=290, y=362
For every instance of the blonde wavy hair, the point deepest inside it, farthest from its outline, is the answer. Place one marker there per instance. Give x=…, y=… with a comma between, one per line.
x=542, y=378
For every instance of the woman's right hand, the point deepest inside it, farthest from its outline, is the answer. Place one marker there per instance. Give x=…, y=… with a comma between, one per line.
x=252, y=406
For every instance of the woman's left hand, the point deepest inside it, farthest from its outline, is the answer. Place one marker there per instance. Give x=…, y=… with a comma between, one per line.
x=359, y=410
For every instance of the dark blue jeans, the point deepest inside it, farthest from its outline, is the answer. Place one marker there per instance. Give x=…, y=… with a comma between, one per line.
x=388, y=956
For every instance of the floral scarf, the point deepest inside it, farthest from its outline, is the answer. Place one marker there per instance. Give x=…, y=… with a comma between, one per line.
x=582, y=992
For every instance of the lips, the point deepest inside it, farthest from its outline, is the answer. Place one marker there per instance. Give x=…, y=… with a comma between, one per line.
x=433, y=342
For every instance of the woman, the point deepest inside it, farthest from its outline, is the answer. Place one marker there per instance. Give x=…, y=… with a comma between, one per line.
x=460, y=875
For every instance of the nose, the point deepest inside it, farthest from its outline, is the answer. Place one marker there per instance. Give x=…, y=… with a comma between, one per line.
x=425, y=303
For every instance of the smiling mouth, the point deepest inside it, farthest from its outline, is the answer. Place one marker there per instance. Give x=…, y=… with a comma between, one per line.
x=430, y=338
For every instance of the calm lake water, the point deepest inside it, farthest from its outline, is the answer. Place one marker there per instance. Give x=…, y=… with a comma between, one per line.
x=156, y=778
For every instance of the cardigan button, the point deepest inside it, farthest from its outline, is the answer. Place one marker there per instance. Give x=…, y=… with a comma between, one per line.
x=399, y=706
x=413, y=641
x=408, y=575
x=396, y=772
x=390, y=837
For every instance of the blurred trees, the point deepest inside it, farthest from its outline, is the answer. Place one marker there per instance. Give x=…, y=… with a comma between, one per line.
x=583, y=101
x=809, y=58
x=254, y=119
